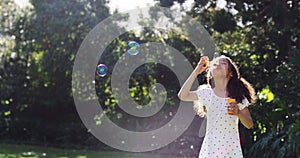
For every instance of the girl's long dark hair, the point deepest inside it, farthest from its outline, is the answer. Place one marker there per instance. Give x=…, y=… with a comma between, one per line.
x=237, y=87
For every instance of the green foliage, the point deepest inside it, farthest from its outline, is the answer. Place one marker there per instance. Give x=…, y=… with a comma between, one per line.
x=38, y=48
x=36, y=79
x=223, y=21
x=142, y=79
x=8, y=12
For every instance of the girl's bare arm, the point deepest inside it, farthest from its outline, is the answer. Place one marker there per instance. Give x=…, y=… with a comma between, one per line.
x=245, y=117
x=185, y=92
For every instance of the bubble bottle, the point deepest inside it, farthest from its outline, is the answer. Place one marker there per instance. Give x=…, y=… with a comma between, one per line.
x=230, y=102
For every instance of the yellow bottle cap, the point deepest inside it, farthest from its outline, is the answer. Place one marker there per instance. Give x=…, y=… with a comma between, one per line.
x=230, y=100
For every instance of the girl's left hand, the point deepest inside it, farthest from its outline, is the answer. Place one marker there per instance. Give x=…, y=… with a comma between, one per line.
x=233, y=109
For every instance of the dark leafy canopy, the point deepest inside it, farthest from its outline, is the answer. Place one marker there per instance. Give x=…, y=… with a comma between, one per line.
x=169, y=3
x=36, y=83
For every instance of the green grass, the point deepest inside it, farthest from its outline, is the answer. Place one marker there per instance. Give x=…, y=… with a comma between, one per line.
x=24, y=151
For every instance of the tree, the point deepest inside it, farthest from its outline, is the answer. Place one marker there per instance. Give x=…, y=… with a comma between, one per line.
x=11, y=64
x=39, y=79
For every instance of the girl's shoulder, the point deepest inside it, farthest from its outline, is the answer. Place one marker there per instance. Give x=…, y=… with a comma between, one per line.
x=204, y=86
x=204, y=89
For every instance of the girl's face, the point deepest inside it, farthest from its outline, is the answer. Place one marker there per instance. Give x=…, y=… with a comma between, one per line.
x=219, y=67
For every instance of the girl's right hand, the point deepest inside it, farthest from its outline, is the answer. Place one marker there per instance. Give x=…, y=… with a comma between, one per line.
x=202, y=65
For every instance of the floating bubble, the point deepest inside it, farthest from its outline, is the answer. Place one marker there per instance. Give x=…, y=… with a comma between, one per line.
x=197, y=10
x=101, y=70
x=216, y=54
x=133, y=48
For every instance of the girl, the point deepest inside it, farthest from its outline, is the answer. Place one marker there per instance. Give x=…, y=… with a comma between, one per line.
x=222, y=136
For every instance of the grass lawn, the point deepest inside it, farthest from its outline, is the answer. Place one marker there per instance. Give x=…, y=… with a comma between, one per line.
x=24, y=151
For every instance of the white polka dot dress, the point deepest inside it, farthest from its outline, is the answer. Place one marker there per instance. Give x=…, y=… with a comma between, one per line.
x=222, y=137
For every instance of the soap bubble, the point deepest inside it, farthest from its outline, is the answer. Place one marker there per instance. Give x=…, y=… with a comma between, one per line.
x=197, y=10
x=133, y=48
x=216, y=54
x=102, y=70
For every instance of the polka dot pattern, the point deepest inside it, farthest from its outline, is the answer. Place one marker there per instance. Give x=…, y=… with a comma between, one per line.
x=222, y=137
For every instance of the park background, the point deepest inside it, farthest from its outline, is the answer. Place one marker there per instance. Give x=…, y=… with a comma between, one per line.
x=38, y=45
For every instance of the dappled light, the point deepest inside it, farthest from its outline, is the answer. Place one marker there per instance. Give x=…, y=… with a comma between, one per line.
x=70, y=70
